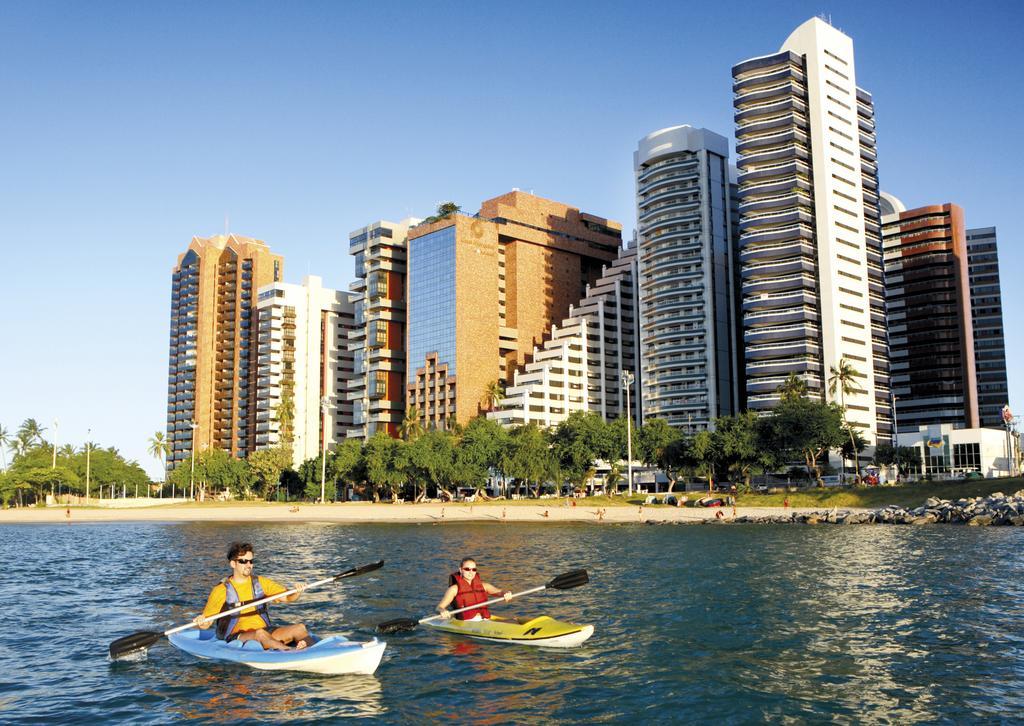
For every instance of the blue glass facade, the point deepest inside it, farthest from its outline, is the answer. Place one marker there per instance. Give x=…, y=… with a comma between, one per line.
x=431, y=304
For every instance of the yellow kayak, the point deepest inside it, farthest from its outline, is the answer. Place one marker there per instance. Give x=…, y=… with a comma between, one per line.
x=542, y=631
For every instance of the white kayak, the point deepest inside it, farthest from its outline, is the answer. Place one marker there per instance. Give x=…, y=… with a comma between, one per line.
x=333, y=655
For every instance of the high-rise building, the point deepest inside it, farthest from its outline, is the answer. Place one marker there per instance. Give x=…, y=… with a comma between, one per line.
x=484, y=291
x=931, y=339
x=987, y=317
x=810, y=245
x=579, y=366
x=304, y=362
x=212, y=371
x=377, y=340
x=690, y=361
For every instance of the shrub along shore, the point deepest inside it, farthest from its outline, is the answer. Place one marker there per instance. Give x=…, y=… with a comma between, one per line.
x=973, y=502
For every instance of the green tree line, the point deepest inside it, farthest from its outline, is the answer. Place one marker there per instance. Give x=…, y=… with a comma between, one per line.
x=33, y=471
x=531, y=460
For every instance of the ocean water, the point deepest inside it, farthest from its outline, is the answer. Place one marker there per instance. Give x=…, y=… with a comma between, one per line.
x=706, y=624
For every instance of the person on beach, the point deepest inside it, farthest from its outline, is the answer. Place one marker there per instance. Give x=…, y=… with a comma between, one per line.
x=252, y=624
x=467, y=588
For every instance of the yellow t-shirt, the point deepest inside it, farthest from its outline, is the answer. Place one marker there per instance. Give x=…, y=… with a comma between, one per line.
x=247, y=619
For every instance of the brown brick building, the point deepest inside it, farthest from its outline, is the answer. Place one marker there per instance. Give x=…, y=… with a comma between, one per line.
x=931, y=338
x=213, y=344
x=483, y=291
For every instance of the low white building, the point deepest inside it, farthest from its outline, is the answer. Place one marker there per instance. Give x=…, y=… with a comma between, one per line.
x=948, y=453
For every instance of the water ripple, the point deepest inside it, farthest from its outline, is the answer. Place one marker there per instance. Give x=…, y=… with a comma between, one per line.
x=704, y=624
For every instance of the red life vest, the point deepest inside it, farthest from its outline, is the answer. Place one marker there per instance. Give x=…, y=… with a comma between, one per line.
x=469, y=594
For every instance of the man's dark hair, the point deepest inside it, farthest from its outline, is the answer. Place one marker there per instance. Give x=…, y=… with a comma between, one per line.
x=237, y=549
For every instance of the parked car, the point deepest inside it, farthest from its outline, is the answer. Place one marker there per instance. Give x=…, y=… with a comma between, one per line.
x=969, y=475
x=716, y=501
x=726, y=487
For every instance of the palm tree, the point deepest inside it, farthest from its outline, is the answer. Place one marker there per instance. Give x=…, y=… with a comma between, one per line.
x=444, y=210
x=792, y=388
x=20, y=444
x=411, y=429
x=284, y=415
x=447, y=209
x=843, y=378
x=5, y=440
x=31, y=431
x=158, y=448
x=494, y=394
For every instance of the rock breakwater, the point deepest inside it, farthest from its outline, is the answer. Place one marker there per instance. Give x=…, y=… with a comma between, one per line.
x=995, y=510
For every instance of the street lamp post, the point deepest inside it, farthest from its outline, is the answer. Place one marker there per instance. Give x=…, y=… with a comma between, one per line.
x=895, y=437
x=88, y=452
x=1007, y=420
x=324, y=403
x=56, y=423
x=627, y=381
x=192, y=473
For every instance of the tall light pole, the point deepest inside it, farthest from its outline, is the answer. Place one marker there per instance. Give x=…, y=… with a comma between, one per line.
x=324, y=403
x=88, y=452
x=54, y=465
x=192, y=473
x=627, y=381
x=895, y=437
x=1007, y=420
x=56, y=423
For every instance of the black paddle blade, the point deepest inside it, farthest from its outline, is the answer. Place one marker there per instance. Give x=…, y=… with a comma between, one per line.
x=399, y=625
x=360, y=570
x=569, y=580
x=133, y=643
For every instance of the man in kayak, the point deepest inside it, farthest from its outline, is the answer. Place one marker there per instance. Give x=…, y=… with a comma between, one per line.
x=252, y=624
x=467, y=588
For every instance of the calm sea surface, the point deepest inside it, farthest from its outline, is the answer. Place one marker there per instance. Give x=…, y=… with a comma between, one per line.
x=715, y=624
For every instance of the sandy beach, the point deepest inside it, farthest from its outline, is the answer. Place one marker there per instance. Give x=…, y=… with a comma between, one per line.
x=388, y=513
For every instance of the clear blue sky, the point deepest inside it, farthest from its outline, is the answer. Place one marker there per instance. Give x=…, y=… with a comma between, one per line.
x=127, y=128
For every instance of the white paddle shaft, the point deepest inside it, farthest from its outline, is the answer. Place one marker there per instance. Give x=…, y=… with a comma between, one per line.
x=248, y=605
x=484, y=604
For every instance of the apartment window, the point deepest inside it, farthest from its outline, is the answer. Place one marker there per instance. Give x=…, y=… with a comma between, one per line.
x=379, y=388
x=936, y=464
x=967, y=457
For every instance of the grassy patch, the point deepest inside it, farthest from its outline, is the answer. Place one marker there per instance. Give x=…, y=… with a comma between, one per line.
x=910, y=495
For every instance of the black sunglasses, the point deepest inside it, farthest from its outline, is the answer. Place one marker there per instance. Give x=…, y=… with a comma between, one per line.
x=469, y=569
x=246, y=562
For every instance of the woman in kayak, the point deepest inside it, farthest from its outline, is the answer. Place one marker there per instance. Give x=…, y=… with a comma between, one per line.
x=252, y=624
x=467, y=588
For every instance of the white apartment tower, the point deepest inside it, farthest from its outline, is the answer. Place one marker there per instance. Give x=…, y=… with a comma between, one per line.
x=377, y=339
x=810, y=245
x=303, y=357
x=689, y=362
x=579, y=367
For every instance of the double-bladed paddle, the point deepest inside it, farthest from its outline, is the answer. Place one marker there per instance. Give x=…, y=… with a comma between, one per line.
x=142, y=640
x=566, y=581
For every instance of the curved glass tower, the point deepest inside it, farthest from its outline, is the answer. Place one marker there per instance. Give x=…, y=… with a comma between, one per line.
x=689, y=370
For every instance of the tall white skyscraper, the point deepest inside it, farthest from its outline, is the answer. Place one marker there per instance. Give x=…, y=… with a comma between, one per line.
x=303, y=358
x=810, y=235
x=689, y=365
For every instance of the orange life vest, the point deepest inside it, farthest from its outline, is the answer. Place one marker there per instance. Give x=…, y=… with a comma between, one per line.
x=470, y=593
